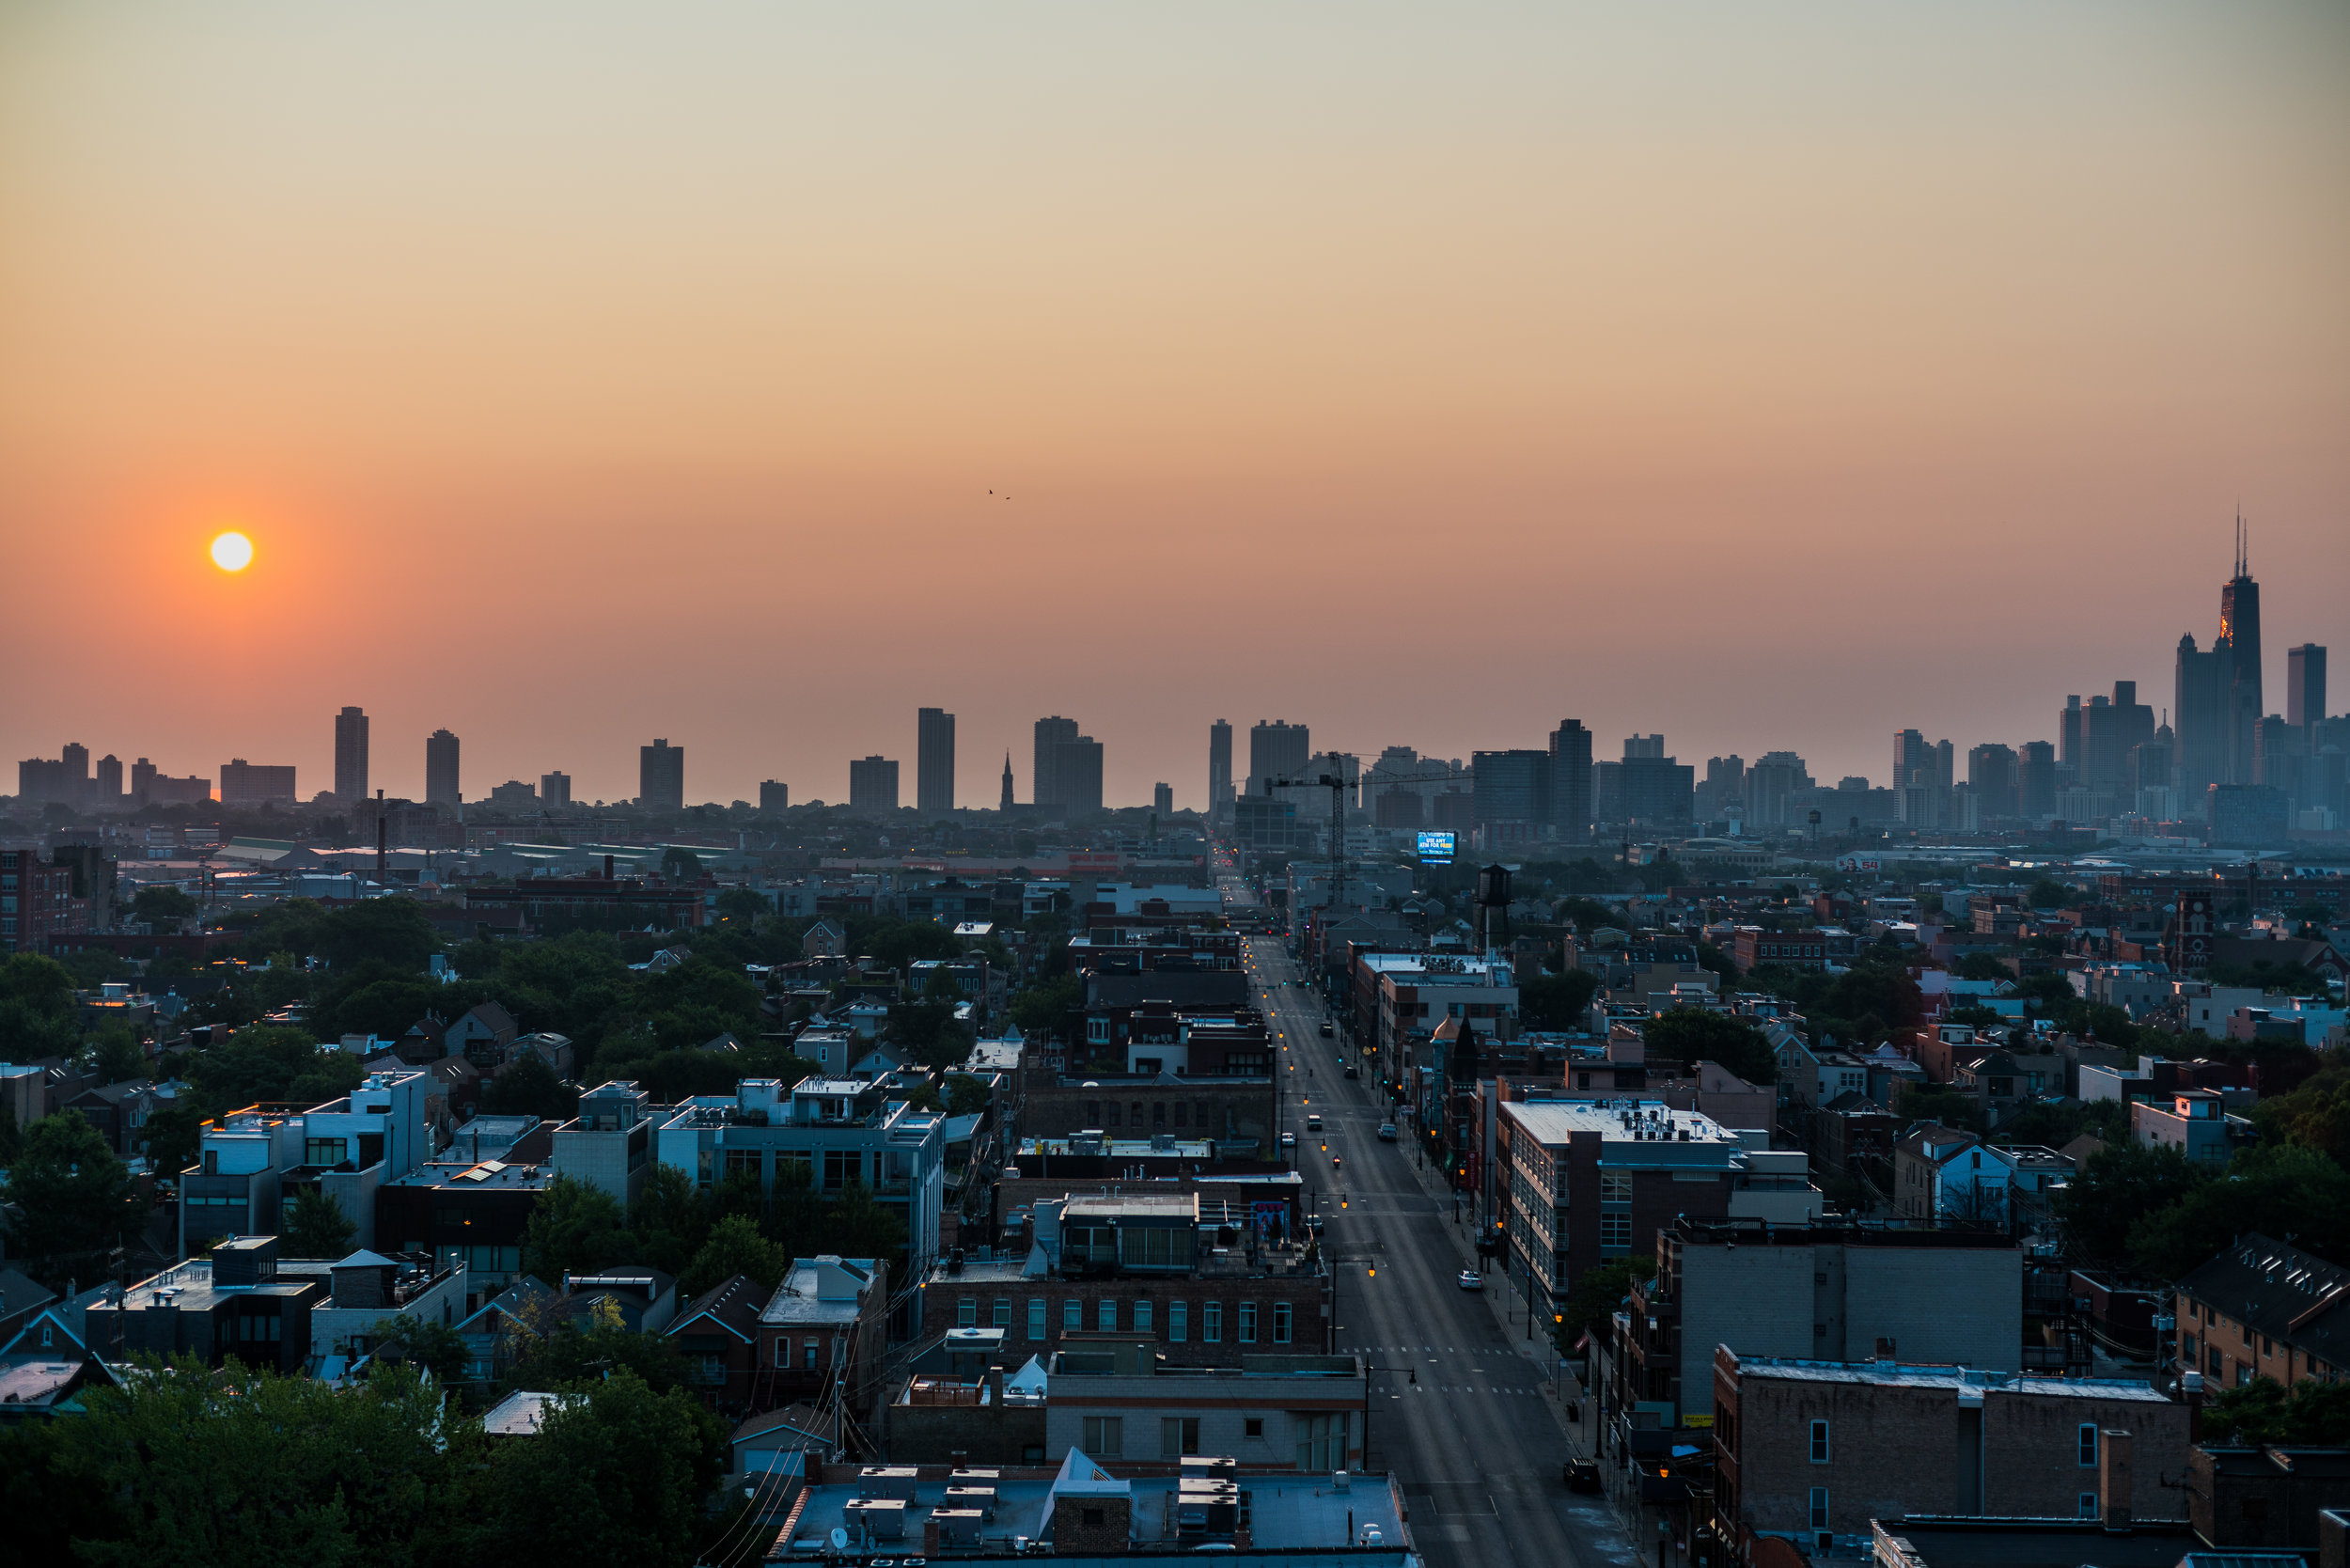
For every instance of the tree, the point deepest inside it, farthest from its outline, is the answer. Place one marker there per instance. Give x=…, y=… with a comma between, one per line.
x=391, y=930
x=2316, y=1115
x=1596, y=1294
x=271, y=1061
x=967, y=1095
x=315, y=1227
x=1685, y=1036
x=1950, y=1107
x=569, y=1353
x=2121, y=1184
x=669, y=1220
x=1045, y=1011
x=2316, y=1414
x=735, y=1247
x=161, y=906
x=2048, y=893
x=434, y=1346
x=172, y=1137
x=573, y=1228
x=37, y=1017
x=73, y=1199
x=530, y=1087
x=613, y=1480
x=1557, y=1002
x=742, y=906
x=2276, y=1190
x=115, y=1054
x=1980, y=965
x=679, y=864
x=237, y=1467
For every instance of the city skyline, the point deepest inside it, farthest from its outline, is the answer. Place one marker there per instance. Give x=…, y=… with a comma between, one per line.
x=2214, y=742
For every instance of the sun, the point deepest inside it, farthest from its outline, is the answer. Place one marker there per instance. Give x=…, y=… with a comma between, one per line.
x=232, y=552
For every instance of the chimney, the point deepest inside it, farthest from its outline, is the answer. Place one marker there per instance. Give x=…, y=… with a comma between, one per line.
x=2191, y=1395
x=2113, y=1479
x=930, y=1537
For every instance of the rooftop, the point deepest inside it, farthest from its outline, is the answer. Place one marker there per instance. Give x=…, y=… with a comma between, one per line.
x=1909, y=1376
x=1622, y=1122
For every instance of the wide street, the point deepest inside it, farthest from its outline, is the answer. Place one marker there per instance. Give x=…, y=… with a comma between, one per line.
x=1461, y=1405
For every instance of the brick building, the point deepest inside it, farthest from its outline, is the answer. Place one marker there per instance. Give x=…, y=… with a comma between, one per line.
x=1239, y=1110
x=2263, y=1308
x=1811, y=1452
x=37, y=903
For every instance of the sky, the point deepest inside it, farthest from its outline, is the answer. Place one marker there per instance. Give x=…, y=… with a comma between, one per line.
x=751, y=375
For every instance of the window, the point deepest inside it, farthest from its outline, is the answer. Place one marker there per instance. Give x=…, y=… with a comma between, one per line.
x=1113, y=1121
x=1178, y=1321
x=1211, y=1323
x=1248, y=1322
x=1252, y=1427
x=1819, y=1442
x=1105, y=1437
x=1137, y=1113
x=1179, y=1437
x=1105, y=1315
x=325, y=1151
x=1281, y=1323
x=1003, y=1313
x=1615, y=1186
x=2089, y=1445
x=1158, y=1113
x=807, y=1355
x=1321, y=1441
x=2089, y=1505
x=1819, y=1508
x=1615, y=1232
x=967, y=1312
x=1072, y=1316
x=1142, y=1317
x=1036, y=1319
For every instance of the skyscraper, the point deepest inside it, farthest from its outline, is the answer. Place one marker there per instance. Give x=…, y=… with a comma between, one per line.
x=1277, y=750
x=350, y=756
x=873, y=785
x=661, y=776
x=1163, y=800
x=934, y=761
x=1571, y=781
x=2240, y=629
x=1991, y=774
x=107, y=785
x=1051, y=733
x=1220, y=768
x=440, y=778
x=555, y=789
x=775, y=798
x=1078, y=774
x=2305, y=685
x=2036, y=779
x=1005, y=804
x=1656, y=788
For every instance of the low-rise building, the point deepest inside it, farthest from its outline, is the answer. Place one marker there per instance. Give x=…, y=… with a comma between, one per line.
x=828, y=1319
x=230, y=1304
x=2196, y=1123
x=1204, y=1279
x=1591, y=1181
x=1114, y=1397
x=1810, y=1451
x=826, y=1134
x=2263, y=1308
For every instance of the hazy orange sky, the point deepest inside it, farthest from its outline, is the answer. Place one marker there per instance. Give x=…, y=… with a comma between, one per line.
x=1770, y=376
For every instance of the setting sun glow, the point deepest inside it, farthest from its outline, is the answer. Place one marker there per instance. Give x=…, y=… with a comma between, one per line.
x=232, y=552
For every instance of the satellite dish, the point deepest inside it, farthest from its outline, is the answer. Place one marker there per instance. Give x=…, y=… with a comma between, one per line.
x=839, y=1539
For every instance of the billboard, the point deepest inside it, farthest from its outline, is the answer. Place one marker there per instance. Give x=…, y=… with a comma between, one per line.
x=1436, y=848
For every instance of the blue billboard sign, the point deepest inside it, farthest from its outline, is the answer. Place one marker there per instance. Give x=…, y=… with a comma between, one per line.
x=1438, y=848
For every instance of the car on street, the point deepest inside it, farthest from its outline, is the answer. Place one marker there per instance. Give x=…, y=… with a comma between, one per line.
x=1288, y=1142
x=1313, y=1122
x=1472, y=1280
x=1582, y=1474
x=1353, y=1072
x=1326, y=1030
x=1386, y=1132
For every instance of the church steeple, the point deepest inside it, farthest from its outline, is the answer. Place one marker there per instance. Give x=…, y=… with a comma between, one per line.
x=1006, y=805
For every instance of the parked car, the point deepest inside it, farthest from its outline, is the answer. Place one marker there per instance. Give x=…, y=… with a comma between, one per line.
x=1326, y=1030
x=1472, y=1280
x=1386, y=1132
x=1582, y=1474
x=1353, y=1072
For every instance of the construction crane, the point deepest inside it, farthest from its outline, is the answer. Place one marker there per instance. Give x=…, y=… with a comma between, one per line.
x=1339, y=785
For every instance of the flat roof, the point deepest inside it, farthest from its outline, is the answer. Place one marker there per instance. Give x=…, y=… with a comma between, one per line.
x=1625, y=1121
x=1894, y=1373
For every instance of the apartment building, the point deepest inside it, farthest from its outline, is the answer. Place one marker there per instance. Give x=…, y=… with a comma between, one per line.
x=1181, y=1271
x=2263, y=1308
x=830, y=1133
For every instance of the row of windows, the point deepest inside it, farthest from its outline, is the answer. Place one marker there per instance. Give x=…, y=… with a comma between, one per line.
x=1320, y=1439
x=1820, y=1450
x=1105, y=1114
x=1141, y=1316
